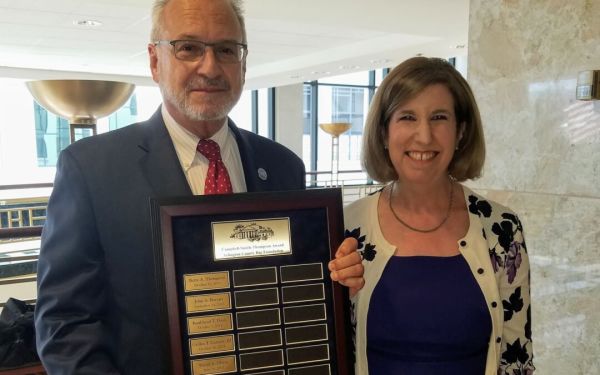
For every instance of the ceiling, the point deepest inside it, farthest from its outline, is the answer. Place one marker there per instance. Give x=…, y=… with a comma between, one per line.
x=289, y=41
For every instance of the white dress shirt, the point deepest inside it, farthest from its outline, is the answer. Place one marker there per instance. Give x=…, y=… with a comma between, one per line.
x=195, y=165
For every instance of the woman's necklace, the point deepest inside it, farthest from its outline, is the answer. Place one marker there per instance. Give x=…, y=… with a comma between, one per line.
x=423, y=230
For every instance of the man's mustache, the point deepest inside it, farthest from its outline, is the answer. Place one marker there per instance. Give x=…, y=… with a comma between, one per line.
x=200, y=82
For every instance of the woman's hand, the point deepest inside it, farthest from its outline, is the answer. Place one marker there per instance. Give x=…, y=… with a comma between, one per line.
x=347, y=268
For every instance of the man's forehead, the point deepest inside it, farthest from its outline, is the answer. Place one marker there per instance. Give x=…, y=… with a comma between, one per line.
x=215, y=8
x=197, y=16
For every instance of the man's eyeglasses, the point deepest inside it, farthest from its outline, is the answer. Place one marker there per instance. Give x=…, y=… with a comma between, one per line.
x=193, y=50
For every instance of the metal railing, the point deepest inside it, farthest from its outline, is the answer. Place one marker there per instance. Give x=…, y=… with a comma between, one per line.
x=16, y=217
x=15, y=235
x=20, y=233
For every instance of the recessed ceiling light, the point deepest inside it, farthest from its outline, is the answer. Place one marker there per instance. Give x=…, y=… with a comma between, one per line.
x=348, y=67
x=295, y=76
x=316, y=72
x=460, y=46
x=380, y=61
x=87, y=23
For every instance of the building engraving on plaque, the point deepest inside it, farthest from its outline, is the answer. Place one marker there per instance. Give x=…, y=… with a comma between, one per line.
x=252, y=232
x=217, y=365
x=251, y=238
x=212, y=344
x=209, y=323
x=206, y=281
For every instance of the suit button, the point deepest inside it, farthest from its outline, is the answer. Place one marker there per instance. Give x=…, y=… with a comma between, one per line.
x=463, y=243
x=498, y=339
x=494, y=304
x=480, y=271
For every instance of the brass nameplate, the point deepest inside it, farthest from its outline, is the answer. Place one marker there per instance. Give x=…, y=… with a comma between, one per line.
x=218, y=365
x=207, y=302
x=251, y=238
x=212, y=344
x=205, y=281
x=209, y=323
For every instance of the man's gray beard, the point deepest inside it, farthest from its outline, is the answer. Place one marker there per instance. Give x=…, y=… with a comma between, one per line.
x=192, y=112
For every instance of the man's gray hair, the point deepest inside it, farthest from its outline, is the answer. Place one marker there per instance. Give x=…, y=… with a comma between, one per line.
x=159, y=6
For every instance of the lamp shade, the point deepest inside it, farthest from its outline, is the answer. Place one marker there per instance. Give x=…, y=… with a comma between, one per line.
x=335, y=128
x=80, y=101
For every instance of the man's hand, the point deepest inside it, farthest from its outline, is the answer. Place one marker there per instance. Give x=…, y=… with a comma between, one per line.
x=347, y=268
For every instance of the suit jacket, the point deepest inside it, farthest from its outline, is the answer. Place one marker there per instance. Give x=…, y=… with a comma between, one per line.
x=97, y=310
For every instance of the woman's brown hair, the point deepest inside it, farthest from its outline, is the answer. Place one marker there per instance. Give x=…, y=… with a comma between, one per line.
x=402, y=84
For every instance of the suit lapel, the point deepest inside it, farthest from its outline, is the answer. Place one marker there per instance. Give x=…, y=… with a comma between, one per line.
x=159, y=162
x=248, y=156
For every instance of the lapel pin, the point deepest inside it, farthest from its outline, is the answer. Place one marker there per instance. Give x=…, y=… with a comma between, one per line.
x=262, y=174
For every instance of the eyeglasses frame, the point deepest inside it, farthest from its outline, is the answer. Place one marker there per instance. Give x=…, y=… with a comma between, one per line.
x=172, y=42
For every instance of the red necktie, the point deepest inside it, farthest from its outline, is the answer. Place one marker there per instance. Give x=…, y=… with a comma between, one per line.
x=217, y=178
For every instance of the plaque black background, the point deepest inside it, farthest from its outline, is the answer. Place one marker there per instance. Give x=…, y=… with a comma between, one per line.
x=184, y=245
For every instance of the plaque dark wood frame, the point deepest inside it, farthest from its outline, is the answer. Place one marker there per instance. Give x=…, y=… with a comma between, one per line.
x=165, y=209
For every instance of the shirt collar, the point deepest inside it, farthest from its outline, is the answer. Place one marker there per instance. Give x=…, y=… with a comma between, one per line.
x=185, y=142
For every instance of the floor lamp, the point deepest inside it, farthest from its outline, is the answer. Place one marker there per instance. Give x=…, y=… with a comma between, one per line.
x=335, y=129
x=82, y=102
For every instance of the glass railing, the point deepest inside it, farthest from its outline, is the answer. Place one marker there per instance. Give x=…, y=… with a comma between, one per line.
x=18, y=264
x=22, y=215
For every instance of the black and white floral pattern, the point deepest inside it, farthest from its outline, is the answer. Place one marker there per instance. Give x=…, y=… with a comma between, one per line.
x=503, y=233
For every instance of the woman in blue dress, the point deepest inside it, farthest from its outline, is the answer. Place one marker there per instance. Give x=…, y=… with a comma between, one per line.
x=446, y=270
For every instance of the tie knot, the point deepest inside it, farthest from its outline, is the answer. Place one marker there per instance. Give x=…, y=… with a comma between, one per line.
x=210, y=149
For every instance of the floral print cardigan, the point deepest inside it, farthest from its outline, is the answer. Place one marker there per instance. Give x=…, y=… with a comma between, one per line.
x=495, y=250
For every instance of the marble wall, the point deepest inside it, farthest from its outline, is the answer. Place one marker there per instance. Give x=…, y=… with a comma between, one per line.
x=544, y=160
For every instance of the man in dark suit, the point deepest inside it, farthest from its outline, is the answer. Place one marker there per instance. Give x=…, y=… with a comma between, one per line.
x=97, y=307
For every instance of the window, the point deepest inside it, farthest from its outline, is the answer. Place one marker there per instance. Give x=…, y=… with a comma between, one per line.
x=263, y=113
x=52, y=135
x=307, y=130
x=337, y=99
x=241, y=114
x=125, y=115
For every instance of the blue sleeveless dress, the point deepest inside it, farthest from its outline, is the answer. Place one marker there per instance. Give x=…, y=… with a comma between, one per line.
x=427, y=316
